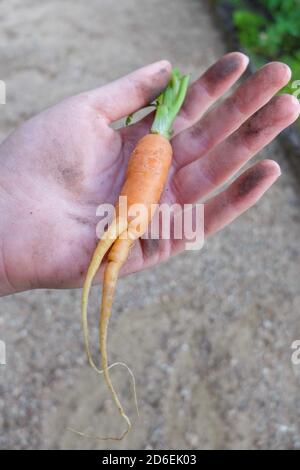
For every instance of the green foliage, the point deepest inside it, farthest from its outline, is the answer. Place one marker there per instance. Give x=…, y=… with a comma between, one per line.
x=249, y=25
x=272, y=33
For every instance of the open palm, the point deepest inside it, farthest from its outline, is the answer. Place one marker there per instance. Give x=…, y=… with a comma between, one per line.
x=60, y=165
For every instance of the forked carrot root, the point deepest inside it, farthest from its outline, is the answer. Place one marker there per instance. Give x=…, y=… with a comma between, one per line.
x=109, y=237
x=144, y=182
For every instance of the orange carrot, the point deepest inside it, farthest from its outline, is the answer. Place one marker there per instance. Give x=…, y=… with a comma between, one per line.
x=144, y=182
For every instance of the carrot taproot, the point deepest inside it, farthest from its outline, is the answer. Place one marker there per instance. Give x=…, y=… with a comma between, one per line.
x=145, y=179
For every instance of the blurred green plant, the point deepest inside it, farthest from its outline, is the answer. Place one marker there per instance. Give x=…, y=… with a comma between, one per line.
x=270, y=30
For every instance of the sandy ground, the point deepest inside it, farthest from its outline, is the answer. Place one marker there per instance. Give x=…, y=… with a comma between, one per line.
x=207, y=334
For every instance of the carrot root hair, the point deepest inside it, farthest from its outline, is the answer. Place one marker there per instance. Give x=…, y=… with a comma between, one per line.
x=98, y=438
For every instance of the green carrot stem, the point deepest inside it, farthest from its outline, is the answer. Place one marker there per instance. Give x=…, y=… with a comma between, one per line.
x=169, y=103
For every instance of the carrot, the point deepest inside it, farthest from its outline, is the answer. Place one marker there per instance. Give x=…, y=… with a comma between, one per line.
x=144, y=182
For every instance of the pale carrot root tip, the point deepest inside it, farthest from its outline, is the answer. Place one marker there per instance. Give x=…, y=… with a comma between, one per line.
x=116, y=258
x=98, y=438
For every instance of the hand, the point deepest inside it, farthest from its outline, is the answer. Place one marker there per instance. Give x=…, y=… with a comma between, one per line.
x=60, y=165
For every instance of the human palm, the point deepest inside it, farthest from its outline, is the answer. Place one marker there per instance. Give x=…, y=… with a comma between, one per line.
x=59, y=166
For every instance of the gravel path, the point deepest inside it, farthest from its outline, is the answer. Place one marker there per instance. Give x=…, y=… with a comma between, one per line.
x=208, y=335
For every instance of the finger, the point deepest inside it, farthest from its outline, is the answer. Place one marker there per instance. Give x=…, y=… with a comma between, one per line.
x=216, y=81
x=199, y=178
x=132, y=92
x=202, y=93
x=242, y=194
x=223, y=120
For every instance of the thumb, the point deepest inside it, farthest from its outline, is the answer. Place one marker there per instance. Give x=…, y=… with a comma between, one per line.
x=131, y=92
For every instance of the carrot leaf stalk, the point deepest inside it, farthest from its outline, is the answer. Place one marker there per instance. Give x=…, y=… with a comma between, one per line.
x=169, y=103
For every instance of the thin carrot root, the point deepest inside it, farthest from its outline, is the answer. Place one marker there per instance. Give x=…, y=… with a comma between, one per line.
x=116, y=258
